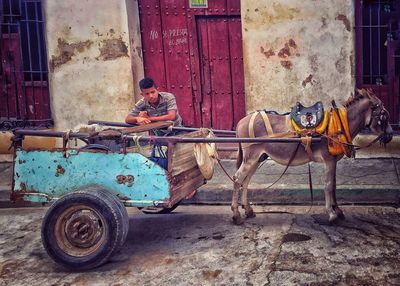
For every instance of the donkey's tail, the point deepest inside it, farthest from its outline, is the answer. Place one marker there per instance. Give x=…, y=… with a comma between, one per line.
x=239, y=158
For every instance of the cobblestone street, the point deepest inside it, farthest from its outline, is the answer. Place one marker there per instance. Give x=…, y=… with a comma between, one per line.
x=198, y=245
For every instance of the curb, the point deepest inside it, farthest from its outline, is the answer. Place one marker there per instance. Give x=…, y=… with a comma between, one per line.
x=300, y=194
x=281, y=195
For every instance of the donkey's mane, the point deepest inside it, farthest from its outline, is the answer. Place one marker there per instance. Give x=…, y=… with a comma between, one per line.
x=359, y=94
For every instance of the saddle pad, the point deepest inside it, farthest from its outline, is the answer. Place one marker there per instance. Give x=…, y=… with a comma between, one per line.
x=335, y=131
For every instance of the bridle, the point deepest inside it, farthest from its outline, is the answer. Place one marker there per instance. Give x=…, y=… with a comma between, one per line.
x=380, y=115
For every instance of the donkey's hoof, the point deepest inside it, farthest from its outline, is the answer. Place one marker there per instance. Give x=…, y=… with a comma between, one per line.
x=341, y=215
x=333, y=217
x=237, y=220
x=250, y=214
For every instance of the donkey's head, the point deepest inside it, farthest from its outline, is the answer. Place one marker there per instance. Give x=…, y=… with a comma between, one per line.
x=377, y=117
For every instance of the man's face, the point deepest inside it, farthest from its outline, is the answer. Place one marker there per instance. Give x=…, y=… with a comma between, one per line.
x=150, y=95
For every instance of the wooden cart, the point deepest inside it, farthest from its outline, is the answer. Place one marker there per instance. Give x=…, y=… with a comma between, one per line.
x=89, y=187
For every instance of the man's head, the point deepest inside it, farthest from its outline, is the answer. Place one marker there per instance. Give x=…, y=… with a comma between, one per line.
x=149, y=90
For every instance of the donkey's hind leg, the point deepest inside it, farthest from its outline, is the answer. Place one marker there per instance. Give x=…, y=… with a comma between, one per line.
x=237, y=219
x=239, y=178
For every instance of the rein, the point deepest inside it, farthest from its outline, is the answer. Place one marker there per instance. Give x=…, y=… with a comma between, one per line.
x=284, y=171
x=356, y=147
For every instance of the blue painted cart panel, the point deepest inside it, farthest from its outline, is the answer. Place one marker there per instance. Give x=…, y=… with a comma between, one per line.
x=48, y=175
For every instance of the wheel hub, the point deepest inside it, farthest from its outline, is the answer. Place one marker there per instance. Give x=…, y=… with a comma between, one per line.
x=83, y=228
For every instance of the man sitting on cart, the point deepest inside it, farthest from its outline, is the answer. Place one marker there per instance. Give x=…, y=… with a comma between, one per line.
x=154, y=106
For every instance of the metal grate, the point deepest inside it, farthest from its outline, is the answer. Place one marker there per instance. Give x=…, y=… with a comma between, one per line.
x=24, y=98
x=375, y=31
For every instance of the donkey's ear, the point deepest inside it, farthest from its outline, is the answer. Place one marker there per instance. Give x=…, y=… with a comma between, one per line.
x=359, y=91
x=370, y=94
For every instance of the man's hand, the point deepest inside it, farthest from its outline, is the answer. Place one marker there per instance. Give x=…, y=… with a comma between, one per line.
x=144, y=114
x=143, y=120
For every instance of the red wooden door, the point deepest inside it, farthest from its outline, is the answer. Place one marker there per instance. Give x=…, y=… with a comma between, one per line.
x=177, y=41
x=12, y=105
x=222, y=84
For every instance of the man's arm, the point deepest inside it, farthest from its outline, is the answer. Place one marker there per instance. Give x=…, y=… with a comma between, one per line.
x=130, y=119
x=143, y=118
x=171, y=115
x=138, y=114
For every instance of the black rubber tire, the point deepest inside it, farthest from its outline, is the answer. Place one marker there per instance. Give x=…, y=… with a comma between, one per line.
x=124, y=218
x=107, y=221
x=155, y=210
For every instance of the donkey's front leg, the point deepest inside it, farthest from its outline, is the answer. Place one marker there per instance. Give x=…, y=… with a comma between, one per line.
x=237, y=219
x=239, y=178
x=330, y=190
x=249, y=212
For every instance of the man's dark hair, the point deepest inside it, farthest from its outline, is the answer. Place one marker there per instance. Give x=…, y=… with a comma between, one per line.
x=147, y=83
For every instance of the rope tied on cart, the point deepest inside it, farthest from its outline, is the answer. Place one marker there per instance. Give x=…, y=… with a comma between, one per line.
x=136, y=139
x=65, y=144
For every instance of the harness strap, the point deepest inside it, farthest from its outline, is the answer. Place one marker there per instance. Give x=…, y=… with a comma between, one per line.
x=311, y=187
x=306, y=141
x=251, y=124
x=267, y=124
x=287, y=166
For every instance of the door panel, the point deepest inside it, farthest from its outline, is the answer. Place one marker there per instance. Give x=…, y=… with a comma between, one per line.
x=176, y=51
x=221, y=71
x=12, y=88
x=152, y=41
x=205, y=72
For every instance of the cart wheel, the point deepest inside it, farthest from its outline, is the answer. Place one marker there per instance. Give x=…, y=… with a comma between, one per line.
x=155, y=210
x=83, y=229
x=122, y=209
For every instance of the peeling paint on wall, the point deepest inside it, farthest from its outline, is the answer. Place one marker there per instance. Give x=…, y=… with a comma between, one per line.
x=345, y=21
x=65, y=52
x=287, y=64
x=112, y=49
x=268, y=53
x=90, y=68
x=307, y=80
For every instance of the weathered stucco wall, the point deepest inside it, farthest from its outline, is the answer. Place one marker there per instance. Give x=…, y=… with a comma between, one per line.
x=297, y=50
x=90, y=64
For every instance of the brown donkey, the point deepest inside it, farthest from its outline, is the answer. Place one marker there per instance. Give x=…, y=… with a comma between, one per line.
x=363, y=110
